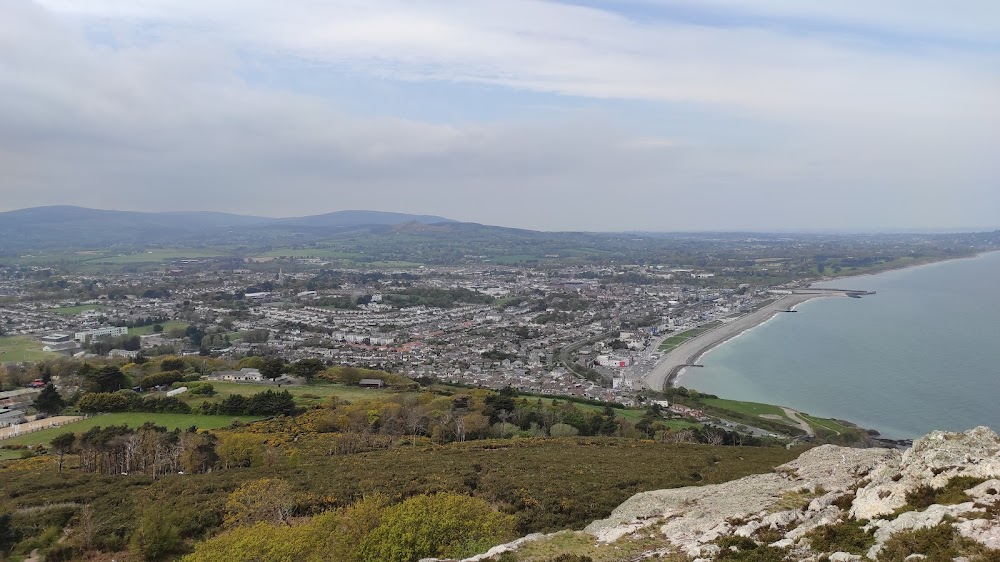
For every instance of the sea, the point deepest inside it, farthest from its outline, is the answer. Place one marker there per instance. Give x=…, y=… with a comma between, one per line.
x=921, y=354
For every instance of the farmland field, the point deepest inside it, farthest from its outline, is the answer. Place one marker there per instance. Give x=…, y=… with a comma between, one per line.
x=157, y=256
x=305, y=395
x=170, y=421
x=70, y=310
x=167, y=326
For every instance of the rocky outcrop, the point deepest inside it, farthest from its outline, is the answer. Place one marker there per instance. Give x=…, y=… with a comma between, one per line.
x=933, y=460
x=950, y=479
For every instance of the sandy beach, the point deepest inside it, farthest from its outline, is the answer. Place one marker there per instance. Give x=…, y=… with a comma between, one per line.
x=690, y=351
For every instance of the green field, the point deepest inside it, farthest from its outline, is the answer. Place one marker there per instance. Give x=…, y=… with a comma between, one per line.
x=392, y=264
x=155, y=256
x=170, y=421
x=71, y=310
x=305, y=395
x=15, y=349
x=762, y=304
x=677, y=339
x=167, y=326
x=321, y=253
x=832, y=425
x=754, y=409
x=6, y=455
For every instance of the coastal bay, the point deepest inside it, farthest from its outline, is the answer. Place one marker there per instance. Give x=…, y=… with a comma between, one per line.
x=921, y=354
x=691, y=350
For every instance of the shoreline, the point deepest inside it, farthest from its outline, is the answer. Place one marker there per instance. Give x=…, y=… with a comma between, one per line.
x=665, y=373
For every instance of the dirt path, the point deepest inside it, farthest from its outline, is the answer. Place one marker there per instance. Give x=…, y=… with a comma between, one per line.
x=33, y=426
x=794, y=416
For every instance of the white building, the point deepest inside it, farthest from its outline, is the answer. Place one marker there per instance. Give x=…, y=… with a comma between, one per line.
x=246, y=374
x=110, y=331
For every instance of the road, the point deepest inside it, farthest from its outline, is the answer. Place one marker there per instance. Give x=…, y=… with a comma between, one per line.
x=30, y=427
x=794, y=416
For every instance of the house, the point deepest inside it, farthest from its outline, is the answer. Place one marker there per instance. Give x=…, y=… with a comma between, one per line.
x=371, y=383
x=10, y=417
x=123, y=353
x=246, y=374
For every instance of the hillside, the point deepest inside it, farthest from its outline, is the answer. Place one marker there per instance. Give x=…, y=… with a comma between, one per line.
x=64, y=227
x=937, y=501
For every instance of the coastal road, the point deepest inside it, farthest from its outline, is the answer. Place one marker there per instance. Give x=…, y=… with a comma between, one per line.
x=794, y=416
x=687, y=353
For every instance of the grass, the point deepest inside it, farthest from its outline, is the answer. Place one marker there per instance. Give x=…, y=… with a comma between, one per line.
x=71, y=310
x=761, y=304
x=170, y=421
x=677, y=339
x=167, y=326
x=305, y=395
x=754, y=409
x=156, y=256
x=321, y=253
x=392, y=264
x=830, y=424
x=14, y=349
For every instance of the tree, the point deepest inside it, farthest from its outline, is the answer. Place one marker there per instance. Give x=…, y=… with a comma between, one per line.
x=105, y=379
x=308, y=368
x=49, y=401
x=62, y=444
x=9, y=535
x=273, y=367
x=172, y=364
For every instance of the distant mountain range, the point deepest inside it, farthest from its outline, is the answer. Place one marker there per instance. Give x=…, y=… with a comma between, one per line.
x=78, y=227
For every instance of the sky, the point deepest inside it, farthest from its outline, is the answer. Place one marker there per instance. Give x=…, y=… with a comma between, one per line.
x=656, y=115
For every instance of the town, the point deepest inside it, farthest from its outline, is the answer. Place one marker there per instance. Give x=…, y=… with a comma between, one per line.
x=573, y=331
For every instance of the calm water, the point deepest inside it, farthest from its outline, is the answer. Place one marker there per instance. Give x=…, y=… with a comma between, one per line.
x=922, y=354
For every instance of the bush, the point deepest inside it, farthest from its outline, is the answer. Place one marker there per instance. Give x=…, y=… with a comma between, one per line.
x=951, y=493
x=267, y=403
x=160, y=379
x=203, y=389
x=156, y=535
x=162, y=405
x=743, y=549
x=846, y=536
x=563, y=430
x=122, y=401
x=440, y=525
x=941, y=542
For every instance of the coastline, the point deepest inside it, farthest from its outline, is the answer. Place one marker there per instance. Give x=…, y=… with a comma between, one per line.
x=665, y=373
x=687, y=353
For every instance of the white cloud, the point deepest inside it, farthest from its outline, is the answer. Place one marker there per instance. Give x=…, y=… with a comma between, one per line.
x=163, y=119
x=551, y=47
